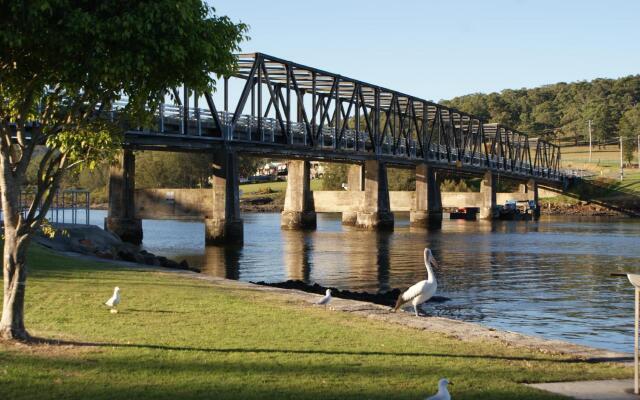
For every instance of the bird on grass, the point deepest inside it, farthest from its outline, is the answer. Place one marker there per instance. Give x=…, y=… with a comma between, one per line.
x=326, y=299
x=114, y=300
x=443, y=392
x=423, y=290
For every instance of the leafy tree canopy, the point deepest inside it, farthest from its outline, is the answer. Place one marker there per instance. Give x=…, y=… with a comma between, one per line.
x=558, y=110
x=630, y=131
x=63, y=63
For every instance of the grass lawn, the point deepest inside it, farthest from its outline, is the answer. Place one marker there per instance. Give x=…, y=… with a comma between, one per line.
x=277, y=186
x=178, y=337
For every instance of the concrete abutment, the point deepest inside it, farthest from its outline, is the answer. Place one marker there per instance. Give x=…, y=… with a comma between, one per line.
x=375, y=211
x=355, y=183
x=532, y=190
x=299, y=211
x=224, y=225
x=488, y=191
x=427, y=210
x=121, y=219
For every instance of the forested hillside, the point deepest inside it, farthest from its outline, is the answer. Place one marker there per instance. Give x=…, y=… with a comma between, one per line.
x=562, y=110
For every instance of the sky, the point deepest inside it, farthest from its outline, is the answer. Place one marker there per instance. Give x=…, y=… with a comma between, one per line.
x=441, y=49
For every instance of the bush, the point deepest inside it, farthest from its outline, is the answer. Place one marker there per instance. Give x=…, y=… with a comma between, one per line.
x=455, y=185
x=335, y=174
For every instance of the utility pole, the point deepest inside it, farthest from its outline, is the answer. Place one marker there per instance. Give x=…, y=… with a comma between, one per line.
x=589, y=140
x=621, y=165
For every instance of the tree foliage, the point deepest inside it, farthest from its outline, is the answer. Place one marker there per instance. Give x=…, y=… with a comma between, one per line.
x=62, y=65
x=155, y=169
x=335, y=174
x=630, y=131
x=558, y=110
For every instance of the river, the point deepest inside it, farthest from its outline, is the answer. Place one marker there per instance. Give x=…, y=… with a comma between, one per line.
x=548, y=278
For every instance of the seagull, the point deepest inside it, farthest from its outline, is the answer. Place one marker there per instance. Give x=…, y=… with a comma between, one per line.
x=114, y=300
x=443, y=393
x=326, y=299
x=423, y=290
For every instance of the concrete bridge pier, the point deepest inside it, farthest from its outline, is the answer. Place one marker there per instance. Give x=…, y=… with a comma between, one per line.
x=532, y=190
x=488, y=190
x=299, y=211
x=375, y=212
x=427, y=210
x=224, y=225
x=121, y=218
x=355, y=183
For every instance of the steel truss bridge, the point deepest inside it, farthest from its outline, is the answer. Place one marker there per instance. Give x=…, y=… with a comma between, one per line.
x=285, y=109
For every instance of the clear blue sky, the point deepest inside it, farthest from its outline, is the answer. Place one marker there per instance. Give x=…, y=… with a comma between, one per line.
x=441, y=49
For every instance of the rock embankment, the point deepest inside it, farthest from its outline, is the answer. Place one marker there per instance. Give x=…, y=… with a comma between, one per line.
x=583, y=208
x=383, y=298
x=91, y=240
x=262, y=203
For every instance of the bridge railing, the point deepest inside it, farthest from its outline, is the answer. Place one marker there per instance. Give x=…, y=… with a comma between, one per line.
x=171, y=121
x=282, y=103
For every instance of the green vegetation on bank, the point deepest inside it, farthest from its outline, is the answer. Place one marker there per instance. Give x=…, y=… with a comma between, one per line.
x=562, y=110
x=179, y=337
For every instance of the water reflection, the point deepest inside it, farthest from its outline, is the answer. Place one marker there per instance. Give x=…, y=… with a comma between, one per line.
x=297, y=254
x=547, y=277
x=223, y=262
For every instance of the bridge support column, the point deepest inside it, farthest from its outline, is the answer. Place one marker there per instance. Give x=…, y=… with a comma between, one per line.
x=355, y=183
x=299, y=211
x=532, y=190
x=427, y=210
x=488, y=190
x=224, y=225
x=375, y=212
x=121, y=218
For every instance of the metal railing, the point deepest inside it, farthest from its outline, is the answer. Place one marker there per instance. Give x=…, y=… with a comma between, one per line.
x=69, y=206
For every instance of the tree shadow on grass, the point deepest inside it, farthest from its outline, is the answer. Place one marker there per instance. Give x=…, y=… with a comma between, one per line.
x=58, y=342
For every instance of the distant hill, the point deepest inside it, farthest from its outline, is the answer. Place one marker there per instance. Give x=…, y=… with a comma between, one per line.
x=560, y=110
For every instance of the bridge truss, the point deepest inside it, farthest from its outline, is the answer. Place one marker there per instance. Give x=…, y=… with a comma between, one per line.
x=288, y=109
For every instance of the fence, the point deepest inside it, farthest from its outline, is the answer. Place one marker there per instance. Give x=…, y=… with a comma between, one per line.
x=70, y=206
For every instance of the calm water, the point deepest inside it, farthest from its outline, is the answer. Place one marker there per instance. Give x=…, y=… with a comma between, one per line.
x=548, y=278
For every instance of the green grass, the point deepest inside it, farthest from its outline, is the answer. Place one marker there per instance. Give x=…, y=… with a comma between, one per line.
x=178, y=337
x=278, y=186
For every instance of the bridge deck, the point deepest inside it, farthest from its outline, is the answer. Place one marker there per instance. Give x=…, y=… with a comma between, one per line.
x=290, y=110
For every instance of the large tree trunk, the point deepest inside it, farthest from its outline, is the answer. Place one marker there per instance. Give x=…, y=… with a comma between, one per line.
x=14, y=266
x=15, y=278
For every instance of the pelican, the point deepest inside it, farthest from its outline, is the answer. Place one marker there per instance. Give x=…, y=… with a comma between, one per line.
x=114, y=300
x=423, y=290
x=443, y=392
x=326, y=299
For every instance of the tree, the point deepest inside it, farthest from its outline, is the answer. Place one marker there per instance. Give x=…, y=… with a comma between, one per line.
x=160, y=169
x=629, y=129
x=62, y=64
x=335, y=174
x=248, y=165
x=561, y=109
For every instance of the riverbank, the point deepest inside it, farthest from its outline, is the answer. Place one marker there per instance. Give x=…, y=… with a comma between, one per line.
x=274, y=202
x=578, y=208
x=176, y=336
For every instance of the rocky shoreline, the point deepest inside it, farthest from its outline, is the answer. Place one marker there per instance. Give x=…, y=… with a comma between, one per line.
x=383, y=298
x=582, y=209
x=94, y=241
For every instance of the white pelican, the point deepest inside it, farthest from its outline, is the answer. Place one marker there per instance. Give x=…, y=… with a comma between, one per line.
x=114, y=300
x=326, y=299
x=443, y=392
x=423, y=290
